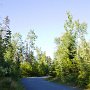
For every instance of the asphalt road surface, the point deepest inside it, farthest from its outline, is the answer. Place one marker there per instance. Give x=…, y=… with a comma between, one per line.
x=38, y=83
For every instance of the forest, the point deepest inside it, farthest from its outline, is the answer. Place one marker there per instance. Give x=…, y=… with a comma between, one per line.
x=71, y=63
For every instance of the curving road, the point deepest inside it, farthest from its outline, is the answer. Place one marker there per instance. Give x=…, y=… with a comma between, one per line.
x=38, y=83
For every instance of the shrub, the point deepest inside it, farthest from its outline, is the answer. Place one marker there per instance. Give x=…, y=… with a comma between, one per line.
x=8, y=83
x=26, y=69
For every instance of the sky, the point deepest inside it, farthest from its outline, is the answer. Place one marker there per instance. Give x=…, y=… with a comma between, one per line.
x=45, y=17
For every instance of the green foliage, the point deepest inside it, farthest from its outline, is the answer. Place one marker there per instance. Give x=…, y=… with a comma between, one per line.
x=8, y=66
x=10, y=84
x=35, y=69
x=26, y=69
x=31, y=37
x=71, y=64
x=43, y=63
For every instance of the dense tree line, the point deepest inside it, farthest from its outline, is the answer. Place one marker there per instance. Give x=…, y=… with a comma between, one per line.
x=72, y=57
x=17, y=58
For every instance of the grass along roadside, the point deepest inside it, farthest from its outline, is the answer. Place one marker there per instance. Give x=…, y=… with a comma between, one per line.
x=58, y=81
x=8, y=83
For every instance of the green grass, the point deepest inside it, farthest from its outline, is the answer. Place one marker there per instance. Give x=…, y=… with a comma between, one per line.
x=58, y=81
x=8, y=83
x=55, y=80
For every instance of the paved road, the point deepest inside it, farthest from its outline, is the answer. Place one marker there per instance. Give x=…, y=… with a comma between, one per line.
x=38, y=83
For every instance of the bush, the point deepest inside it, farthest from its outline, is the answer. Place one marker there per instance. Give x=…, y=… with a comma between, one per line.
x=26, y=69
x=8, y=83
